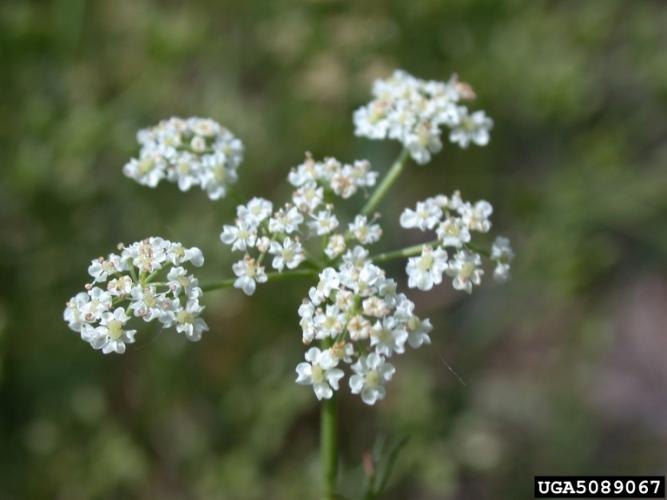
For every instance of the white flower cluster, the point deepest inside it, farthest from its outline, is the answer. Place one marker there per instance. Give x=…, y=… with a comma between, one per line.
x=146, y=280
x=413, y=111
x=189, y=152
x=280, y=233
x=356, y=310
x=453, y=220
x=343, y=179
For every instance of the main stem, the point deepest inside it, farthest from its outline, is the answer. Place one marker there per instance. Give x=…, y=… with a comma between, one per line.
x=386, y=183
x=328, y=447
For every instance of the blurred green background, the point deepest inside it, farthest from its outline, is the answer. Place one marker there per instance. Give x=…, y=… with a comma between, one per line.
x=564, y=368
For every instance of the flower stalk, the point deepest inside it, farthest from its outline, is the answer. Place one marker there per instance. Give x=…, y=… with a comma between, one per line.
x=329, y=447
x=229, y=282
x=389, y=179
x=402, y=253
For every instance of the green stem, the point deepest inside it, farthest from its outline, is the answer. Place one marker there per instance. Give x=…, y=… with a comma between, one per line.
x=229, y=282
x=402, y=253
x=477, y=249
x=328, y=447
x=386, y=183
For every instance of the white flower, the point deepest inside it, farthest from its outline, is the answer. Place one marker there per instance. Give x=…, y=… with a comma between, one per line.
x=345, y=181
x=111, y=336
x=319, y=370
x=120, y=287
x=241, y=236
x=426, y=215
x=255, y=211
x=388, y=337
x=453, y=232
x=263, y=244
x=359, y=327
x=147, y=170
x=476, y=216
x=248, y=273
x=342, y=351
x=189, y=152
x=324, y=222
x=306, y=172
x=100, y=269
x=426, y=270
x=178, y=279
x=189, y=322
x=355, y=256
x=473, y=128
x=423, y=141
x=308, y=197
x=288, y=254
x=364, y=232
x=74, y=311
x=375, y=306
x=99, y=302
x=418, y=329
x=147, y=255
x=370, y=374
x=177, y=254
x=335, y=246
x=330, y=322
x=286, y=220
x=329, y=281
x=465, y=270
x=502, y=255
x=147, y=303
x=307, y=323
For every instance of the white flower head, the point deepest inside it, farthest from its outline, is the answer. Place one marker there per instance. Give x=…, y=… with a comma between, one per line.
x=189, y=152
x=130, y=291
x=356, y=309
x=343, y=180
x=414, y=111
